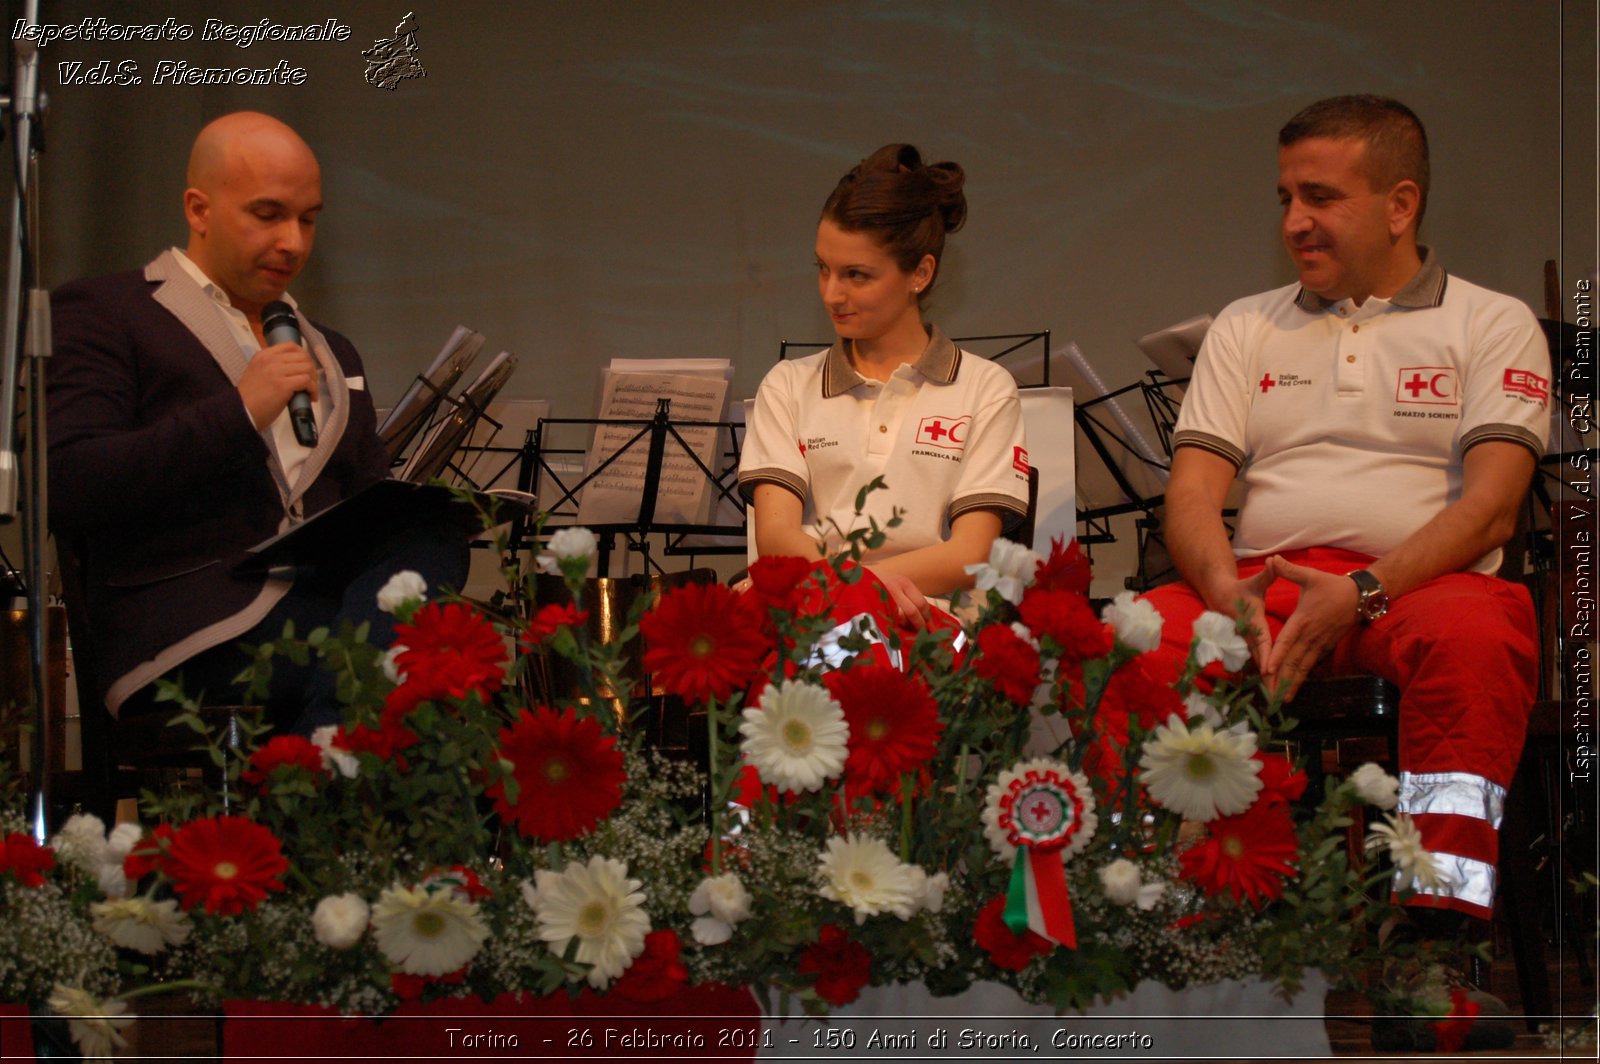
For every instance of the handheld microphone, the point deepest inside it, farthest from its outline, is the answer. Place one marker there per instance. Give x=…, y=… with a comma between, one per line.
x=280, y=326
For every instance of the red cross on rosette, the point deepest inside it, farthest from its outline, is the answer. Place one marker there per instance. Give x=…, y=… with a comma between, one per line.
x=1039, y=815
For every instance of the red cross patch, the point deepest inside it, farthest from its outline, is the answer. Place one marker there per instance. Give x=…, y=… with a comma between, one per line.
x=948, y=433
x=1524, y=382
x=1428, y=385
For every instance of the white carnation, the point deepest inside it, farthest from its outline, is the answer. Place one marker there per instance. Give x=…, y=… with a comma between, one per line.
x=569, y=545
x=340, y=920
x=1137, y=623
x=403, y=587
x=1009, y=570
x=1216, y=638
x=1376, y=787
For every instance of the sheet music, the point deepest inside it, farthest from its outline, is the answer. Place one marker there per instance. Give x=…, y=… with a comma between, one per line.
x=683, y=497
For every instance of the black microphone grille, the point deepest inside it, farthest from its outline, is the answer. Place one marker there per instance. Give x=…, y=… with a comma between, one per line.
x=277, y=309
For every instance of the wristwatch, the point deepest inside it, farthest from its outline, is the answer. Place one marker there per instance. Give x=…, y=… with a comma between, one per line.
x=1374, y=600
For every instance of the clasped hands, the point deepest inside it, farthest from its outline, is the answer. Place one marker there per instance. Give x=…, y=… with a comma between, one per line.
x=1325, y=613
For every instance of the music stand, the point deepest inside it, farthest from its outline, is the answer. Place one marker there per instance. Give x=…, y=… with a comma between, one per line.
x=652, y=437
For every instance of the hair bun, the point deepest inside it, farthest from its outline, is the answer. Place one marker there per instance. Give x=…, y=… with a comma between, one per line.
x=909, y=205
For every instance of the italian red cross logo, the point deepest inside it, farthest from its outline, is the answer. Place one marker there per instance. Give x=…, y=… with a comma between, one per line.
x=1427, y=385
x=1267, y=382
x=947, y=433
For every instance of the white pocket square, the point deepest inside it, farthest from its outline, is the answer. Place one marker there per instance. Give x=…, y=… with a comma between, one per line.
x=356, y=384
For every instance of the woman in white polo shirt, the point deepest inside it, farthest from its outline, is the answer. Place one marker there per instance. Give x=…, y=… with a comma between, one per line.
x=893, y=397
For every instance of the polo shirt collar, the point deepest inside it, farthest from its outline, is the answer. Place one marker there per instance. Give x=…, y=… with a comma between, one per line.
x=938, y=363
x=1425, y=289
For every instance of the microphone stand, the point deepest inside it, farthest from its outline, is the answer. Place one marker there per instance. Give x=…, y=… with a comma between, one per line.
x=27, y=341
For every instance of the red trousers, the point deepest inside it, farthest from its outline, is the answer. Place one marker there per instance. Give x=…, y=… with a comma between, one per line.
x=1463, y=650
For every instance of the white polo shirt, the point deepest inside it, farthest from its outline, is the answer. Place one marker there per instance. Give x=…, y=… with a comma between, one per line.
x=1348, y=424
x=944, y=432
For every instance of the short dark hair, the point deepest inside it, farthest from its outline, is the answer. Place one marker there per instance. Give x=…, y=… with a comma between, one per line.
x=908, y=206
x=1397, y=145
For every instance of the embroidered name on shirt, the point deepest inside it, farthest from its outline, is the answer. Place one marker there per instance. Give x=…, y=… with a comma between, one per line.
x=1428, y=385
x=948, y=433
x=1524, y=382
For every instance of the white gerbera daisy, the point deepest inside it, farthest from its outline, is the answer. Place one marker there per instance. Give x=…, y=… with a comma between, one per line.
x=1216, y=638
x=339, y=920
x=1136, y=622
x=141, y=924
x=96, y=1026
x=1010, y=569
x=427, y=933
x=864, y=874
x=1414, y=866
x=1201, y=774
x=602, y=908
x=797, y=737
x=1375, y=786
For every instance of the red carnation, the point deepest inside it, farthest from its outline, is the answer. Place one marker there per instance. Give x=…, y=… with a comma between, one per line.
x=1450, y=1033
x=703, y=641
x=225, y=864
x=284, y=752
x=26, y=859
x=842, y=966
x=1066, y=619
x=451, y=650
x=1248, y=855
x=569, y=774
x=1065, y=570
x=386, y=741
x=776, y=581
x=657, y=973
x=551, y=619
x=1006, y=948
x=145, y=857
x=894, y=724
x=1280, y=781
x=1009, y=662
x=1130, y=695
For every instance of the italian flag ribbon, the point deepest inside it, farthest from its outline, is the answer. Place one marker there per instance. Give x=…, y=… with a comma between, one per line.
x=1045, y=813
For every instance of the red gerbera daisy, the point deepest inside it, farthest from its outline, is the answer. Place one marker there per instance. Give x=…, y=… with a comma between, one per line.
x=568, y=772
x=1009, y=662
x=703, y=641
x=657, y=973
x=284, y=752
x=451, y=649
x=550, y=619
x=26, y=859
x=1006, y=948
x=894, y=724
x=225, y=864
x=1065, y=570
x=842, y=966
x=1248, y=855
x=1065, y=618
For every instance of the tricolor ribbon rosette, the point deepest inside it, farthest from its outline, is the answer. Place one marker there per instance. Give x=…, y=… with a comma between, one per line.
x=1039, y=815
